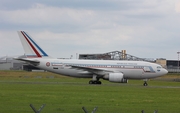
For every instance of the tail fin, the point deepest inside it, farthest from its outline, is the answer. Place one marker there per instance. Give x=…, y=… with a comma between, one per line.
x=31, y=48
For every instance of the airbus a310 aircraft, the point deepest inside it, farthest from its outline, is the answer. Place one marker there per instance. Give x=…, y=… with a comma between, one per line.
x=112, y=70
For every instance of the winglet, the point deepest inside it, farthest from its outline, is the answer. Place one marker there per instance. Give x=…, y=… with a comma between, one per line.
x=31, y=48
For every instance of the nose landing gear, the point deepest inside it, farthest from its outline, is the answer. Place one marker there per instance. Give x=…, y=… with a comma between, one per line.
x=145, y=82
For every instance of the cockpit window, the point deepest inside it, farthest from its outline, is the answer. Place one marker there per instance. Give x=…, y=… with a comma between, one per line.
x=159, y=68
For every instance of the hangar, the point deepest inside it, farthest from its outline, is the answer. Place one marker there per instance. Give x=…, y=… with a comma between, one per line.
x=114, y=55
x=8, y=63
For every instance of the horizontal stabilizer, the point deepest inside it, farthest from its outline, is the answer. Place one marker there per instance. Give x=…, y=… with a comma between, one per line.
x=31, y=61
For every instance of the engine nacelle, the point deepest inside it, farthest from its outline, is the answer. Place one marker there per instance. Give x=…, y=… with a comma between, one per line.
x=115, y=77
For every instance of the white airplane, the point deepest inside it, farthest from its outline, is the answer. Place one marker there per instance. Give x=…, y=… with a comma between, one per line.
x=112, y=70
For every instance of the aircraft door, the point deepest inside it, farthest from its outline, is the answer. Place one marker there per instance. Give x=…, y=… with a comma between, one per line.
x=146, y=69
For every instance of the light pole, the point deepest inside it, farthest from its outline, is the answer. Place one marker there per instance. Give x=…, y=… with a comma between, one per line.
x=178, y=59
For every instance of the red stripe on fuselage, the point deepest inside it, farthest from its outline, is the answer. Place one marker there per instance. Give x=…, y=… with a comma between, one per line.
x=37, y=53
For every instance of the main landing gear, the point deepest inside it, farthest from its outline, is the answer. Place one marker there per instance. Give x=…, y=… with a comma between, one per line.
x=95, y=80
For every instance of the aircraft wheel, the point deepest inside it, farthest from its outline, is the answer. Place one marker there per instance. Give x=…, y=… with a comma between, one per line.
x=99, y=82
x=145, y=84
x=94, y=82
x=91, y=82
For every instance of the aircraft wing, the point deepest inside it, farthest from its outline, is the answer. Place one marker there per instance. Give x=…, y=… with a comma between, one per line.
x=31, y=61
x=96, y=71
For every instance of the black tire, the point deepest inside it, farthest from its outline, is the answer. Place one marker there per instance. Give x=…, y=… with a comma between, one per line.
x=145, y=84
x=99, y=82
x=90, y=82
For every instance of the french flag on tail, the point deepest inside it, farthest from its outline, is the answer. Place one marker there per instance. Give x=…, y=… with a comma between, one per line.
x=31, y=48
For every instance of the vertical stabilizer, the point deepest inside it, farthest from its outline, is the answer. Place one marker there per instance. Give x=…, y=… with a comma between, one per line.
x=31, y=48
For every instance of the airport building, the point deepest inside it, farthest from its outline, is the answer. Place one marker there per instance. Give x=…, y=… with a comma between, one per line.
x=114, y=55
x=8, y=63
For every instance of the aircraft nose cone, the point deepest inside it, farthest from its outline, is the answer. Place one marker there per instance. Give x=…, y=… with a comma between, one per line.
x=165, y=71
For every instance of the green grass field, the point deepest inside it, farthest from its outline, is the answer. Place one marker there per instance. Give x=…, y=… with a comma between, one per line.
x=19, y=89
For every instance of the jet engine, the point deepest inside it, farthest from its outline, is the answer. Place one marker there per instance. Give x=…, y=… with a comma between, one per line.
x=115, y=77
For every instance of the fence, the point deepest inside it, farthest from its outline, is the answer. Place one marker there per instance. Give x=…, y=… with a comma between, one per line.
x=84, y=109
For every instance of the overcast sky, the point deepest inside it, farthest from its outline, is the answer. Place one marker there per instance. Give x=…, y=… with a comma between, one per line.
x=144, y=28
